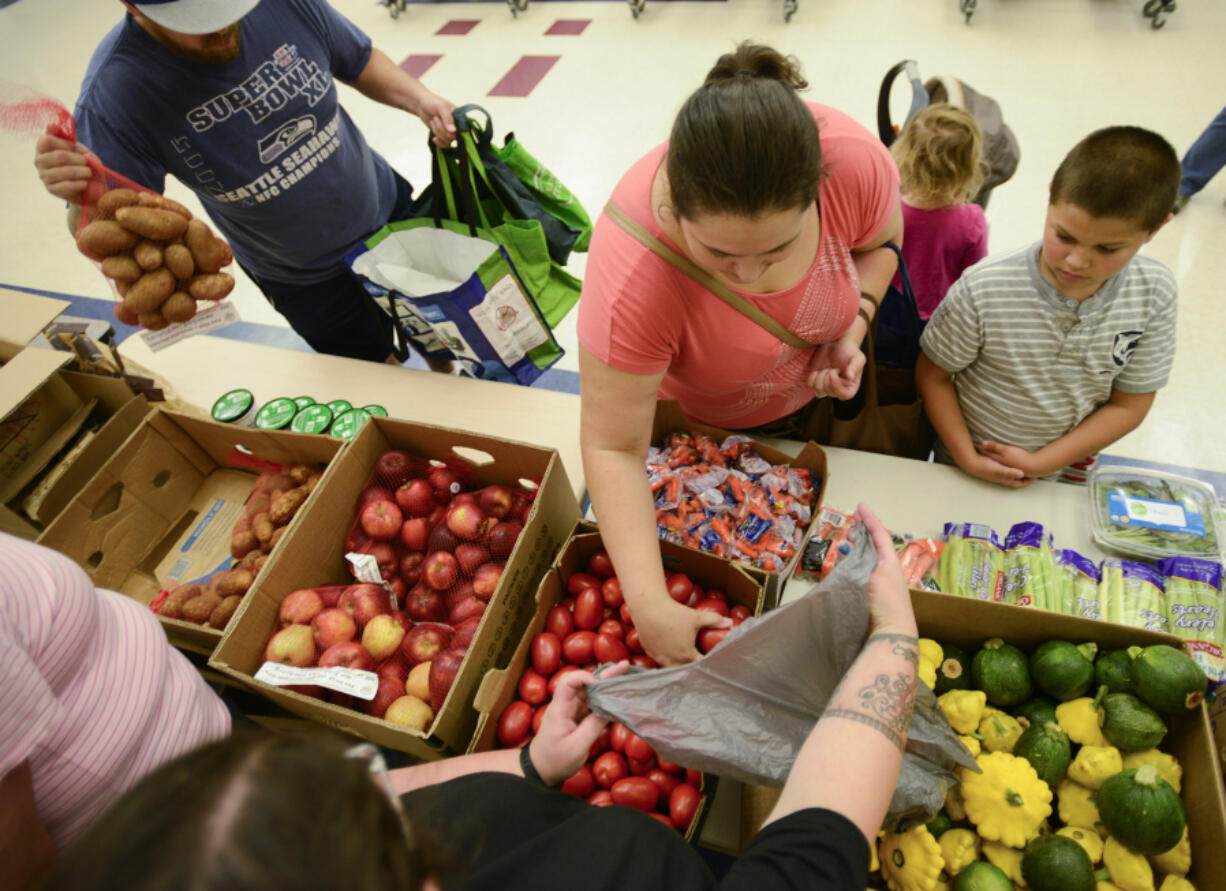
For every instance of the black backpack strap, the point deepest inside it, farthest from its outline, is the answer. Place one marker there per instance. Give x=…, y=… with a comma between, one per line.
x=919, y=99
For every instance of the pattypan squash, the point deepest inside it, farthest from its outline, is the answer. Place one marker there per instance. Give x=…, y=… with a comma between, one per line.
x=954, y=805
x=1079, y=718
x=959, y=848
x=1008, y=860
x=1088, y=838
x=1094, y=765
x=930, y=650
x=1128, y=869
x=1176, y=883
x=963, y=709
x=971, y=741
x=1007, y=801
x=999, y=730
x=1177, y=861
x=1106, y=886
x=1076, y=807
x=1168, y=768
x=911, y=861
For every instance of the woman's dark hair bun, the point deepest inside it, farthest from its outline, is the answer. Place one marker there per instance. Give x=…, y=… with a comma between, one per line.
x=753, y=60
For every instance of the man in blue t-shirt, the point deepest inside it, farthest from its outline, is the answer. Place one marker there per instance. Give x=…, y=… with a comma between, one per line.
x=236, y=99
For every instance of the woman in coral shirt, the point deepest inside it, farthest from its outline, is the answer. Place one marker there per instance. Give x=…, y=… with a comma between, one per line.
x=788, y=204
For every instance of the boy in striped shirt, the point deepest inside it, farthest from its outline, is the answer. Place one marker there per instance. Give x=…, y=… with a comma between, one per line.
x=1037, y=359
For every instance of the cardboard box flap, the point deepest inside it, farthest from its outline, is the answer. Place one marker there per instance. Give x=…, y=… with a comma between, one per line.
x=26, y=315
x=21, y=376
x=42, y=454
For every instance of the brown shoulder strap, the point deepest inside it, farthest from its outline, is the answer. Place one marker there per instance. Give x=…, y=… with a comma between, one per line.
x=704, y=278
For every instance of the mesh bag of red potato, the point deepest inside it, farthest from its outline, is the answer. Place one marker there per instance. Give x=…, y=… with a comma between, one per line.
x=159, y=260
x=593, y=626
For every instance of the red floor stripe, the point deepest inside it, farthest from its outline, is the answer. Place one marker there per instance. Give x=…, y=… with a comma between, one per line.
x=568, y=27
x=419, y=65
x=524, y=76
x=458, y=26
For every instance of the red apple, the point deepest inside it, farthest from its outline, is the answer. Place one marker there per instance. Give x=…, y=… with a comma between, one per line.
x=485, y=580
x=349, y=654
x=356, y=540
x=496, y=500
x=364, y=601
x=443, y=670
x=463, y=498
x=312, y=690
x=410, y=567
x=300, y=607
x=333, y=626
x=471, y=555
x=382, y=636
x=374, y=493
x=445, y=482
x=465, y=631
x=437, y=516
x=457, y=592
x=425, y=642
x=440, y=570
x=393, y=667
x=292, y=645
x=381, y=520
x=469, y=606
x=390, y=689
x=385, y=556
x=416, y=498
x=415, y=533
x=467, y=521
x=330, y=594
x=396, y=466
x=424, y=604
x=502, y=537
x=399, y=587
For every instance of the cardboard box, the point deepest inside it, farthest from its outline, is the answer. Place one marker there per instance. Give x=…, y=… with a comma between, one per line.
x=313, y=554
x=670, y=419
x=162, y=509
x=968, y=623
x=499, y=687
x=1217, y=719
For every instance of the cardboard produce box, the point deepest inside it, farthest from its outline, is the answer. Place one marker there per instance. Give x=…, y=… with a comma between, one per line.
x=161, y=511
x=968, y=623
x=499, y=687
x=313, y=554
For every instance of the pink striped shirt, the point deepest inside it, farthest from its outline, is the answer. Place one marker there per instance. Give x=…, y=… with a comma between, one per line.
x=91, y=694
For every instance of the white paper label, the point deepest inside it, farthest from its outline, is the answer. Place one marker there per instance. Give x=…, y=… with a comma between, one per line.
x=366, y=569
x=210, y=318
x=354, y=681
x=506, y=319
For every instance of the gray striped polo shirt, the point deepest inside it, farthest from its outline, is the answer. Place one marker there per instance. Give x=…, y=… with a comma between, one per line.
x=1030, y=364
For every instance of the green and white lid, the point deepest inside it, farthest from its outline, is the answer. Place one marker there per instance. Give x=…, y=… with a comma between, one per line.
x=347, y=424
x=277, y=414
x=339, y=406
x=377, y=411
x=303, y=401
x=312, y=419
x=235, y=407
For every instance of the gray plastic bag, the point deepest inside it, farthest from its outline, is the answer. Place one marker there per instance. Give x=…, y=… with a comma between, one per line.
x=744, y=709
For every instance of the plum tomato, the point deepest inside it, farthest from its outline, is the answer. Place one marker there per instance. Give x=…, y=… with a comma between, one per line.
x=640, y=768
x=580, y=580
x=611, y=591
x=716, y=594
x=613, y=627
x=618, y=734
x=600, y=798
x=599, y=746
x=682, y=804
x=608, y=769
x=533, y=687
x=623, y=611
x=553, y=681
x=667, y=821
x=600, y=564
x=636, y=792
x=546, y=653
x=515, y=723
x=679, y=586
x=710, y=638
x=559, y=622
x=693, y=777
x=589, y=609
x=633, y=644
x=739, y=614
x=610, y=649
x=671, y=767
x=642, y=660
x=579, y=647
x=712, y=605
x=638, y=748
x=581, y=783
x=538, y=716
x=665, y=780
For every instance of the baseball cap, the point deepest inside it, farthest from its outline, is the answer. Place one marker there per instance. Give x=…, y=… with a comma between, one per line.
x=195, y=16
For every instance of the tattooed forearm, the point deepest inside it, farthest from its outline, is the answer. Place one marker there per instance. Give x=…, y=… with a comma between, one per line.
x=900, y=645
x=884, y=705
x=868, y=721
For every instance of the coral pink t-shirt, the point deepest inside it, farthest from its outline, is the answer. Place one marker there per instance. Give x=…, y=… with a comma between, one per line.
x=91, y=693
x=937, y=246
x=640, y=314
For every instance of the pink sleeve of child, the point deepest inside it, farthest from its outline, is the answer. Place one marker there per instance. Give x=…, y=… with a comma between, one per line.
x=976, y=236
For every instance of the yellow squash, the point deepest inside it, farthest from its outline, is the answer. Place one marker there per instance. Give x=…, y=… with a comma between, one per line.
x=1007, y=801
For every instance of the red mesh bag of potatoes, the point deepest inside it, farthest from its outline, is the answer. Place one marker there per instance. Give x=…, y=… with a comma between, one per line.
x=160, y=260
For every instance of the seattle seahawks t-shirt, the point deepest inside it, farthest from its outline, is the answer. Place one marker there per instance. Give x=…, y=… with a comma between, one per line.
x=285, y=175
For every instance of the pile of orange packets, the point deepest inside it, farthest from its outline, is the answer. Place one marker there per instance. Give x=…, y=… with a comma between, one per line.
x=726, y=499
x=828, y=545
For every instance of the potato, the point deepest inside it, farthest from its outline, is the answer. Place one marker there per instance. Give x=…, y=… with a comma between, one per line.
x=276, y=538
x=125, y=315
x=123, y=287
x=160, y=225
x=199, y=608
x=148, y=255
x=285, y=505
x=213, y=286
x=115, y=199
x=236, y=581
x=102, y=238
x=122, y=268
x=299, y=472
x=179, y=307
x=262, y=527
x=312, y=482
x=150, y=291
x=209, y=252
x=161, y=202
x=152, y=321
x=172, y=606
x=242, y=543
x=220, y=617
x=258, y=503
x=254, y=560
x=179, y=260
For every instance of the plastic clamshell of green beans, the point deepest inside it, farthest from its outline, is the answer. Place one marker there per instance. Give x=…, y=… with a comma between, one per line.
x=1165, y=494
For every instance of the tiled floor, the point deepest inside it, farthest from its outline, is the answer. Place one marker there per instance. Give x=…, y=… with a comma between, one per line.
x=1059, y=68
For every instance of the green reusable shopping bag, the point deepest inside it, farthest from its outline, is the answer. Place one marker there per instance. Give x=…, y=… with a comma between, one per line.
x=550, y=191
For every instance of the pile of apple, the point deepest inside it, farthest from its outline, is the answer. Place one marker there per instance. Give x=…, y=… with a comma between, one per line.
x=441, y=552
x=589, y=627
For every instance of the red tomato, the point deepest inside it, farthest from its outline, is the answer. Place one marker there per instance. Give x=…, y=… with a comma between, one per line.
x=665, y=780
x=600, y=798
x=600, y=564
x=642, y=660
x=537, y=717
x=624, y=612
x=610, y=649
x=693, y=777
x=608, y=769
x=589, y=609
x=682, y=804
x=670, y=767
x=515, y=723
x=640, y=768
x=546, y=653
x=607, y=614
x=533, y=687
x=559, y=622
x=578, y=647
x=679, y=586
x=553, y=681
x=710, y=638
x=739, y=614
x=633, y=644
x=638, y=748
x=663, y=819
x=716, y=594
x=611, y=591
x=712, y=605
x=568, y=602
x=599, y=746
x=581, y=783
x=614, y=627
x=581, y=580
x=636, y=792
x=618, y=734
